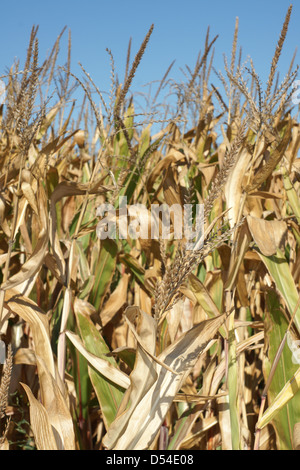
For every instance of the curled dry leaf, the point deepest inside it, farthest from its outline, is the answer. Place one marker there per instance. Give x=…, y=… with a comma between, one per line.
x=40, y=423
x=234, y=186
x=172, y=157
x=267, y=234
x=141, y=423
x=54, y=408
x=25, y=356
x=33, y=264
x=115, y=301
x=84, y=307
x=29, y=311
x=57, y=408
x=142, y=377
x=30, y=196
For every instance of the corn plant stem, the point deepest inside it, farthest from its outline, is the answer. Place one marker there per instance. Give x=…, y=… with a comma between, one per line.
x=226, y=362
x=232, y=375
x=271, y=375
x=11, y=240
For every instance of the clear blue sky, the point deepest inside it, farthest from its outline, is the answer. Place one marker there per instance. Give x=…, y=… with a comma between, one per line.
x=179, y=33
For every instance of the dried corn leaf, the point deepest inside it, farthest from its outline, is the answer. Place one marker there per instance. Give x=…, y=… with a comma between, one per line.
x=56, y=407
x=31, y=313
x=40, y=423
x=33, y=264
x=148, y=414
x=142, y=377
x=115, y=301
x=277, y=155
x=267, y=234
x=30, y=196
x=25, y=356
x=205, y=300
x=234, y=186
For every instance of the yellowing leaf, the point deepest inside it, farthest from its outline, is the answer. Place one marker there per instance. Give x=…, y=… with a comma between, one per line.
x=287, y=393
x=40, y=423
x=104, y=367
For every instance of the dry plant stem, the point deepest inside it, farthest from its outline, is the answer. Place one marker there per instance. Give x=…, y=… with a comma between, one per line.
x=232, y=373
x=271, y=375
x=10, y=244
x=4, y=391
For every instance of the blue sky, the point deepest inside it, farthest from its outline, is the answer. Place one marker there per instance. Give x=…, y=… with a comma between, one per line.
x=179, y=33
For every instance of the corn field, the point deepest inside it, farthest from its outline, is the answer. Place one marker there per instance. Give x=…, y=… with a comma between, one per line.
x=132, y=343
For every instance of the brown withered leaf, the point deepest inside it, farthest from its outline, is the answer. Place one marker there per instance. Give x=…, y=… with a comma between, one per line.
x=29, y=311
x=234, y=186
x=171, y=188
x=277, y=155
x=267, y=234
x=141, y=422
x=173, y=156
x=68, y=212
x=115, y=301
x=56, y=406
x=40, y=423
x=142, y=377
x=33, y=264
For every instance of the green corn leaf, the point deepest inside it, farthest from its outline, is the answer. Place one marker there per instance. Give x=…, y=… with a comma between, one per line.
x=104, y=271
x=284, y=411
x=108, y=394
x=292, y=196
x=279, y=270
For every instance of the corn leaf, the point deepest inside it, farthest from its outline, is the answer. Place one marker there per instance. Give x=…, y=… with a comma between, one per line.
x=109, y=394
x=283, y=399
